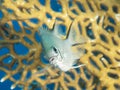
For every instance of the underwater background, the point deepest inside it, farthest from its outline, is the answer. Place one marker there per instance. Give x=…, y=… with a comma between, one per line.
x=22, y=64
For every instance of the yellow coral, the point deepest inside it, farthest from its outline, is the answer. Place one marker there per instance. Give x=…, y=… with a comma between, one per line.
x=97, y=20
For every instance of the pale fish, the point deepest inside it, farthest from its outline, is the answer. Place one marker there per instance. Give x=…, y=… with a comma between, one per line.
x=62, y=53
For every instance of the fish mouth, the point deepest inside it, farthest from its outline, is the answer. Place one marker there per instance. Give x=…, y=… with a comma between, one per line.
x=52, y=58
x=55, y=60
x=57, y=57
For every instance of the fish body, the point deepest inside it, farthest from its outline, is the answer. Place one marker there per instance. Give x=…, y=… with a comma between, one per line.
x=59, y=51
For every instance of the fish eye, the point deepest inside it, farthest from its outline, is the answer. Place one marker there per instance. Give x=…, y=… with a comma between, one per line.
x=55, y=50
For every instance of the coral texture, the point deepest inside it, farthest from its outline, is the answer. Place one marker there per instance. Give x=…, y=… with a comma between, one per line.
x=97, y=20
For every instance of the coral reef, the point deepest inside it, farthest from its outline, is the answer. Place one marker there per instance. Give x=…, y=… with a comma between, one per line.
x=97, y=20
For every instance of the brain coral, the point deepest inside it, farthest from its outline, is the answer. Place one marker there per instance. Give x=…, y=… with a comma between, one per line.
x=97, y=20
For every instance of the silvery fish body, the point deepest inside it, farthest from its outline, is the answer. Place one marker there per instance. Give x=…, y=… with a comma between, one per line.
x=59, y=51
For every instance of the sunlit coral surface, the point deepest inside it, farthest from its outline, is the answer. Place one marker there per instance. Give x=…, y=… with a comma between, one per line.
x=21, y=61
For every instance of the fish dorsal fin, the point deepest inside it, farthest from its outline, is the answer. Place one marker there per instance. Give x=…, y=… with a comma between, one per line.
x=43, y=30
x=74, y=35
x=56, y=27
x=59, y=30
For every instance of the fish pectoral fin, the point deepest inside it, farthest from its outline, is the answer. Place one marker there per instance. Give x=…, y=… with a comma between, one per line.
x=78, y=66
x=74, y=35
x=56, y=27
x=78, y=40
